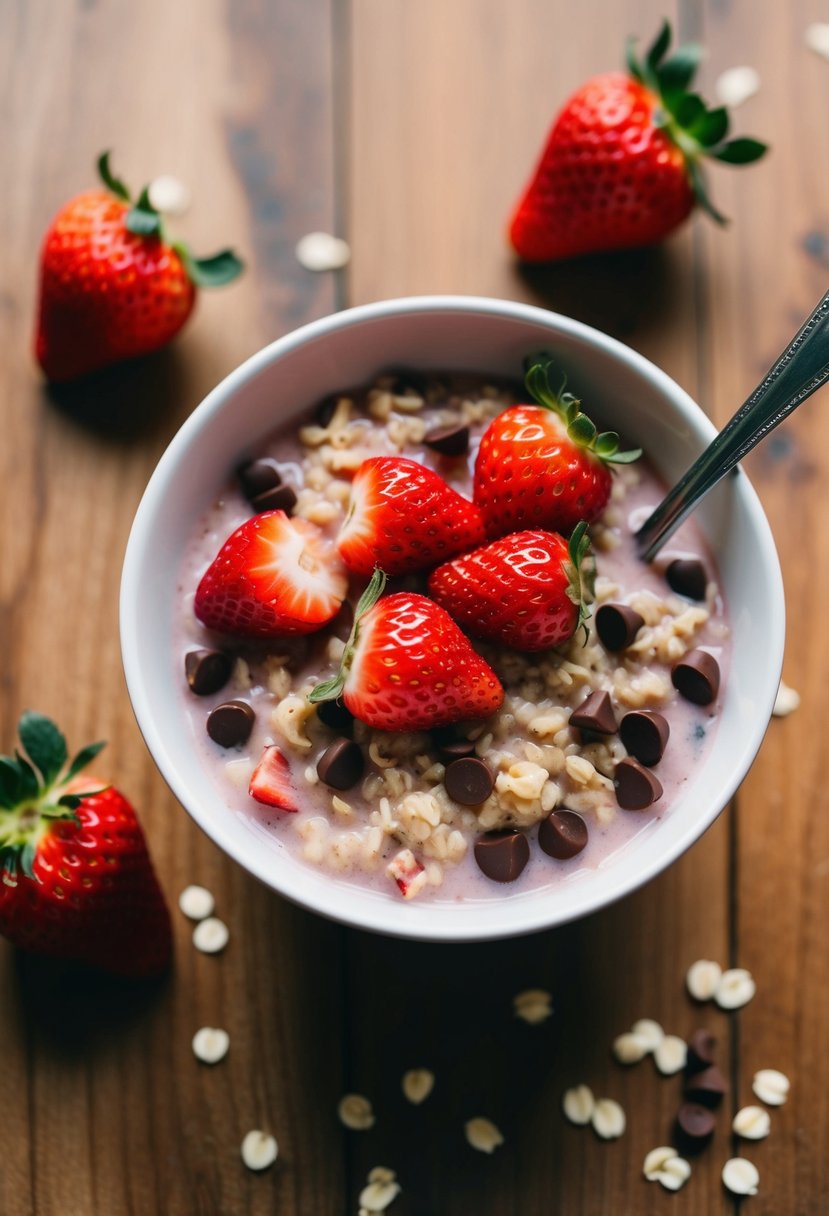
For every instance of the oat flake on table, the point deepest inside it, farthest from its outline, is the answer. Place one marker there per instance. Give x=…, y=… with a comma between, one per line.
x=417, y=1084
x=210, y=1044
x=483, y=1135
x=786, y=701
x=741, y=1177
x=355, y=1112
x=259, y=1150
x=533, y=1006
x=737, y=85
x=197, y=903
x=320, y=251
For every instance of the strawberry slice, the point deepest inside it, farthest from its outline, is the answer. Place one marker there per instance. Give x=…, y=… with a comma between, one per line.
x=404, y=517
x=407, y=872
x=407, y=666
x=273, y=576
x=271, y=781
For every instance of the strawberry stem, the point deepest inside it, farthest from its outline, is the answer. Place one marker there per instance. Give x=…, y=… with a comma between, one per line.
x=330, y=690
x=581, y=575
x=580, y=428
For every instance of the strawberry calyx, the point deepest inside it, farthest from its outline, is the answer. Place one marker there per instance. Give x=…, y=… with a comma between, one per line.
x=580, y=569
x=330, y=690
x=33, y=792
x=580, y=429
x=697, y=129
x=143, y=219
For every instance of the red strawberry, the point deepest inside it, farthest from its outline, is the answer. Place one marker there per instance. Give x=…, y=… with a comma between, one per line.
x=77, y=880
x=271, y=781
x=544, y=466
x=621, y=166
x=527, y=590
x=274, y=575
x=403, y=517
x=407, y=666
x=111, y=286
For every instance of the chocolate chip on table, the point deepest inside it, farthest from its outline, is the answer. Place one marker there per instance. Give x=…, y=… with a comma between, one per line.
x=707, y=1087
x=563, y=834
x=617, y=625
x=468, y=781
x=595, y=714
x=207, y=670
x=230, y=723
x=341, y=765
x=336, y=716
x=452, y=440
x=257, y=476
x=645, y=734
x=502, y=855
x=279, y=498
x=701, y=1051
x=686, y=576
x=697, y=677
x=458, y=749
x=636, y=787
x=695, y=1126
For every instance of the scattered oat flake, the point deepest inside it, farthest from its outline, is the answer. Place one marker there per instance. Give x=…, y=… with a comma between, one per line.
x=382, y=1189
x=211, y=935
x=671, y=1055
x=483, y=1135
x=578, y=1104
x=817, y=38
x=259, y=1150
x=736, y=85
x=703, y=978
x=786, y=701
x=355, y=1112
x=169, y=195
x=608, y=1119
x=752, y=1123
x=771, y=1086
x=320, y=251
x=533, y=1006
x=210, y=1044
x=417, y=1084
x=649, y=1031
x=740, y=1176
x=735, y=989
x=665, y=1166
x=629, y=1048
x=196, y=902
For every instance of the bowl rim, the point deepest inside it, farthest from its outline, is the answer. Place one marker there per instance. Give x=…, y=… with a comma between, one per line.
x=363, y=914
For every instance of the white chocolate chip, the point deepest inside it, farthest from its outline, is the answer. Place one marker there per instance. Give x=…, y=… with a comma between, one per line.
x=259, y=1150
x=752, y=1123
x=629, y=1048
x=735, y=989
x=736, y=85
x=578, y=1104
x=196, y=902
x=817, y=38
x=210, y=1044
x=483, y=1135
x=533, y=1006
x=321, y=251
x=169, y=195
x=355, y=1112
x=210, y=936
x=771, y=1086
x=650, y=1032
x=417, y=1084
x=382, y=1189
x=663, y=1165
x=786, y=701
x=740, y=1176
x=703, y=978
x=671, y=1055
x=608, y=1119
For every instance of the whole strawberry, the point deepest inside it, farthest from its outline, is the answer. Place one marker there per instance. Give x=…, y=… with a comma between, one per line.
x=77, y=880
x=528, y=590
x=111, y=286
x=403, y=517
x=622, y=163
x=407, y=666
x=544, y=466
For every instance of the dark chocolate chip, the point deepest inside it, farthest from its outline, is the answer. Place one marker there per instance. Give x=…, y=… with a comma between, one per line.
x=617, y=625
x=335, y=716
x=341, y=765
x=645, y=734
x=595, y=714
x=701, y=1051
x=562, y=834
x=707, y=1087
x=258, y=476
x=468, y=781
x=636, y=786
x=686, y=576
x=325, y=411
x=207, y=670
x=697, y=677
x=230, y=723
x=450, y=440
x=458, y=749
x=280, y=498
x=694, y=1126
x=502, y=855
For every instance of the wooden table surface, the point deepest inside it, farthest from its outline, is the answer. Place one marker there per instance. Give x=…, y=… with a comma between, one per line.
x=408, y=128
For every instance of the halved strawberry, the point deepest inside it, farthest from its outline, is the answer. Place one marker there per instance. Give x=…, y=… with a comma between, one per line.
x=404, y=517
x=271, y=781
x=273, y=576
x=407, y=666
x=528, y=590
x=544, y=466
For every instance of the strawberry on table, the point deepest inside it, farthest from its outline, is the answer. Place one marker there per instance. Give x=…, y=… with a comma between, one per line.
x=274, y=575
x=112, y=286
x=77, y=880
x=407, y=666
x=544, y=466
x=622, y=163
x=528, y=590
x=403, y=517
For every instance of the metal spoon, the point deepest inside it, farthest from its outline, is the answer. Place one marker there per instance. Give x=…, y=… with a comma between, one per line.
x=802, y=368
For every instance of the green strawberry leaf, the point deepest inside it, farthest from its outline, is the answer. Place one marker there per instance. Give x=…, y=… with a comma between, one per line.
x=84, y=757
x=581, y=575
x=109, y=179
x=624, y=457
x=142, y=218
x=214, y=271
x=710, y=127
x=11, y=784
x=26, y=860
x=8, y=864
x=690, y=109
x=29, y=784
x=701, y=191
x=676, y=73
x=44, y=744
x=658, y=48
x=582, y=431
x=329, y=690
x=740, y=151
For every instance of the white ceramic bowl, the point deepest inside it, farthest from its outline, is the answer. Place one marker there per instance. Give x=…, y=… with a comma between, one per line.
x=491, y=337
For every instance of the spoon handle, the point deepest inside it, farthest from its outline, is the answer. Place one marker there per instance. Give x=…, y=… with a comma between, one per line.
x=802, y=368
